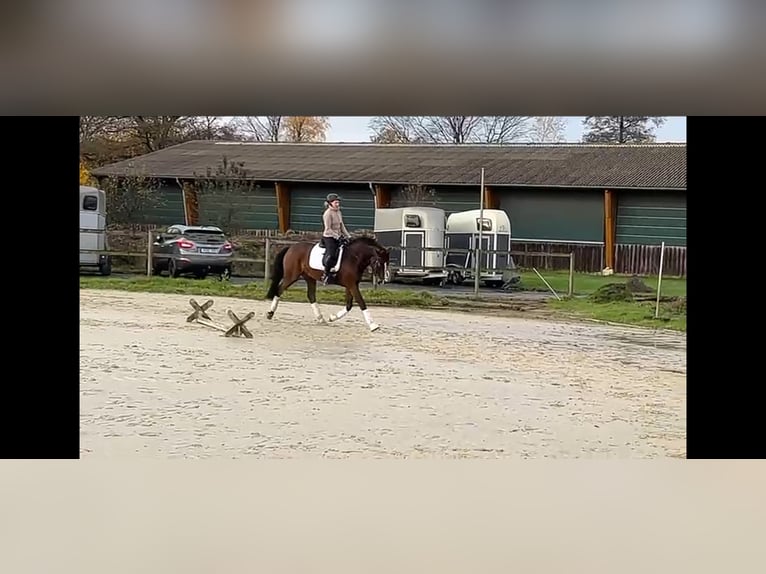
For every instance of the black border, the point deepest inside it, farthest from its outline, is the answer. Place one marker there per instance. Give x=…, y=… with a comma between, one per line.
x=722, y=184
x=41, y=389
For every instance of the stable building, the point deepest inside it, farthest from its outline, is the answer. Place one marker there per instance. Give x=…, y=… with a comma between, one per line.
x=614, y=205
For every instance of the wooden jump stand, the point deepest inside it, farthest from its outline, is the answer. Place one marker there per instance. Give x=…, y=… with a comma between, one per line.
x=201, y=317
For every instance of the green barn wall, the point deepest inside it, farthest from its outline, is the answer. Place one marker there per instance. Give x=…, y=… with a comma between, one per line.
x=554, y=215
x=307, y=206
x=256, y=209
x=649, y=218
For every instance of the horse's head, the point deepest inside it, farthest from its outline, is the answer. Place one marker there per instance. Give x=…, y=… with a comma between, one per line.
x=376, y=256
x=379, y=264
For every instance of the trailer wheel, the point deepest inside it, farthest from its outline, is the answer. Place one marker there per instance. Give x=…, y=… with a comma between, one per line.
x=388, y=275
x=455, y=277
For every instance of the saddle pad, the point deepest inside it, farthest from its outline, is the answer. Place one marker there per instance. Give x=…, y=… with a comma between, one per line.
x=316, y=255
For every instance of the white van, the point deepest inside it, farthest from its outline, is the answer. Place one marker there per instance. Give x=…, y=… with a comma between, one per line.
x=93, y=230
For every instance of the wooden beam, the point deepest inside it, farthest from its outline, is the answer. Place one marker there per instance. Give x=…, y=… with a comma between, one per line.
x=382, y=196
x=283, y=206
x=191, y=202
x=610, y=227
x=491, y=198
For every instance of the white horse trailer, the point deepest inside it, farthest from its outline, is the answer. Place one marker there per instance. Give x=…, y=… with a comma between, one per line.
x=406, y=230
x=462, y=232
x=93, y=230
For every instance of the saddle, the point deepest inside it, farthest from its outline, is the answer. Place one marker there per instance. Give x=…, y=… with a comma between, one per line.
x=316, y=257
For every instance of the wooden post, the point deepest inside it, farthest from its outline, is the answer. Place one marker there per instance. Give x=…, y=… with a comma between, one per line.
x=610, y=228
x=382, y=196
x=267, y=262
x=149, y=245
x=191, y=202
x=283, y=206
x=491, y=199
x=570, y=290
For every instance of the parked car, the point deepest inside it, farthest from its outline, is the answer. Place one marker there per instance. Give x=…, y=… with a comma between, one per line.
x=192, y=249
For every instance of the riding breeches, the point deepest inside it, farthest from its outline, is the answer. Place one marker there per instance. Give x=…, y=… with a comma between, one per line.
x=331, y=252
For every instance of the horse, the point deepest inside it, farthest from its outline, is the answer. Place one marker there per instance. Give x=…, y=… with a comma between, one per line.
x=304, y=260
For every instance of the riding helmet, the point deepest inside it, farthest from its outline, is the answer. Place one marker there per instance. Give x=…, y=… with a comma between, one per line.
x=332, y=197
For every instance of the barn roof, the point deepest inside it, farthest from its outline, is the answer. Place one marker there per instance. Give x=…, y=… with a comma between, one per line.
x=648, y=166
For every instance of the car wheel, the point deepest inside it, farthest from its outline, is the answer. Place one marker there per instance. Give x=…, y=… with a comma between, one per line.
x=105, y=268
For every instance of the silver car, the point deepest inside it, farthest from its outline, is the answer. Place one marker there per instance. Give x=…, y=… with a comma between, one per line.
x=192, y=249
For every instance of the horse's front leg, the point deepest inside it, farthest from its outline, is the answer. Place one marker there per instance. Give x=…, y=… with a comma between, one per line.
x=363, y=306
x=311, y=293
x=343, y=312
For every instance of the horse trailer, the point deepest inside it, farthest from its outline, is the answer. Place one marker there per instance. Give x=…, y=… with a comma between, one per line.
x=93, y=230
x=406, y=231
x=462, y=232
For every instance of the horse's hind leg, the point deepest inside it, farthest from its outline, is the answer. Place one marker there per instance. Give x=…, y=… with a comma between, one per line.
x=311, y=293
x=287, y=281
x=346, y=309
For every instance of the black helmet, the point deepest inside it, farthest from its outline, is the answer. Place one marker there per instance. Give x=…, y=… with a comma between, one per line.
x=332, y=197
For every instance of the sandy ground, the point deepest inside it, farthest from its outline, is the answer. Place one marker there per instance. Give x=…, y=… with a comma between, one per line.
x=427, y=384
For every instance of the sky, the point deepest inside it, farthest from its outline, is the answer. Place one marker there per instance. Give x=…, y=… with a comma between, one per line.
x=354, y=129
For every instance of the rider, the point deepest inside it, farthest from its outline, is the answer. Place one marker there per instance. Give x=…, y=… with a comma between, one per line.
x=334, y=229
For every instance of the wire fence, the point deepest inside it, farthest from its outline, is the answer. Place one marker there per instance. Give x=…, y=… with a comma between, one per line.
x=466, y=271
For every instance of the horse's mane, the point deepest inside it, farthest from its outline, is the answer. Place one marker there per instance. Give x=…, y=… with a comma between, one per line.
x=371, y=241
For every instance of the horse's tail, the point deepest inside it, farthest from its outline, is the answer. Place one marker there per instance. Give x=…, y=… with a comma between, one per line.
x=278, y=273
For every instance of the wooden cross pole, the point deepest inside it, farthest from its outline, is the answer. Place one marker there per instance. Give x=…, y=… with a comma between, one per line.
x=238, y=328
x=199, y=310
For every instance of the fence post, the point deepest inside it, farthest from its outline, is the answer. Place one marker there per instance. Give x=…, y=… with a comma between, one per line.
x=570, y=291
x=659, y=282
x=149, y=244
x=266, y=264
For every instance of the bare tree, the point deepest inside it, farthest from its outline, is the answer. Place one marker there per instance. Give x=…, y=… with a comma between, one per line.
x=259, y=128
x=417, y=195
x=208, y=128
x=392, y=129
x=449, y=129
x=93, y=128
x=548, y=129
x=225, y=188
x=127, y=197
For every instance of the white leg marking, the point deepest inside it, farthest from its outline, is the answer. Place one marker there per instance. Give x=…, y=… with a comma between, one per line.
x=317, y=312
x=274, y=304
x=339, y=314
x=370, y=323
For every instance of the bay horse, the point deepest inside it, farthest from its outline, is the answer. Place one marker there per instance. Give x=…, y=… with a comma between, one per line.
x=304, y=260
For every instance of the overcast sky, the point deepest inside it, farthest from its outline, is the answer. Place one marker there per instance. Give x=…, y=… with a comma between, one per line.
x=354, y=129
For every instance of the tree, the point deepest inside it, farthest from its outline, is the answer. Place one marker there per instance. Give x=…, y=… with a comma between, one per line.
x=226, y=187
x=129, y=196
x=449, y=129
x=259, y=128
x=85, y=177
x=305, y=128
x=417, y=195
x=620, y=129
x=548, y=129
